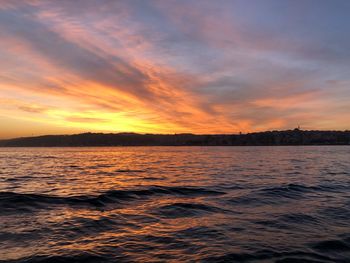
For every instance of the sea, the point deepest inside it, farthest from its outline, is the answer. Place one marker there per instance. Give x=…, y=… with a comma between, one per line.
x=175, y=204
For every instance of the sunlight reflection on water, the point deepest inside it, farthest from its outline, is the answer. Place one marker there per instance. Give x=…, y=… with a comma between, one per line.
x=175, y=203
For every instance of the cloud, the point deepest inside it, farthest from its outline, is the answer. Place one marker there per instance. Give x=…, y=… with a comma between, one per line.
x=176, y=66
x=85, y=119
x=33, y=109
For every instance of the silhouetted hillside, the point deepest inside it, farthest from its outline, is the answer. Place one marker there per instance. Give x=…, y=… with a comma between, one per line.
x=290, y=137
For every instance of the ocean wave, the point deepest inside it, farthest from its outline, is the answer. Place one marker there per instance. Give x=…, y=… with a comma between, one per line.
x=15, y=200
x=277, y=194
x=332, y=245
x=288, y=191
x=272, y=256
x=80, y=257
x=195, y=205
x=129, y=171
x=177, y=210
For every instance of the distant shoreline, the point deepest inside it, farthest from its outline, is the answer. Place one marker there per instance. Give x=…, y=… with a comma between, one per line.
x=268, y=138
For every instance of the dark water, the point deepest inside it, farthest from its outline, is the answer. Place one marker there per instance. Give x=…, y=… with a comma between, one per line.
x=173, y=204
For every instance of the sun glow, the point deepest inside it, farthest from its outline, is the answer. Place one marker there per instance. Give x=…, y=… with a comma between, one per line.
x=181, y=71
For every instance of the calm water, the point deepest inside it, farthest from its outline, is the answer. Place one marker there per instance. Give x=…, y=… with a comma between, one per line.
x=171, y=204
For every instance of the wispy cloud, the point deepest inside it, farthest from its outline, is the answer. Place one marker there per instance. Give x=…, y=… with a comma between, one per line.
x=176, y=66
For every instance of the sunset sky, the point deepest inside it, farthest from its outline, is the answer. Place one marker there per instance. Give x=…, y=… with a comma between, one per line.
x=173, y=66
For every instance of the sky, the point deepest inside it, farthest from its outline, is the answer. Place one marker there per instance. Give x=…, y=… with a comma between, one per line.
x=173, y=66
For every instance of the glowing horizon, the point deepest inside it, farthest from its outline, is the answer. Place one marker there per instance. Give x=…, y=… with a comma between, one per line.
x=173, y=66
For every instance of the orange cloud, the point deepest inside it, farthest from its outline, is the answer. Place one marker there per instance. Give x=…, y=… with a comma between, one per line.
x=175, y=70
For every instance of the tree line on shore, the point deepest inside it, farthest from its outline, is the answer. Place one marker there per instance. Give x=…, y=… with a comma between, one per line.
x=288, y=137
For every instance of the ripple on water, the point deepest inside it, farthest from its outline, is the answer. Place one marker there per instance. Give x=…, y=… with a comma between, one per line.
x=176, y=210
x=173, y=204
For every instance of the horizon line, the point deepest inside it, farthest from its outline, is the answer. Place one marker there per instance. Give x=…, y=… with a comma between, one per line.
x=172, y=134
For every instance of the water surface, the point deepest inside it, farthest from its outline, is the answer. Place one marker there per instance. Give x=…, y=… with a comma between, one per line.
x=171, y=204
